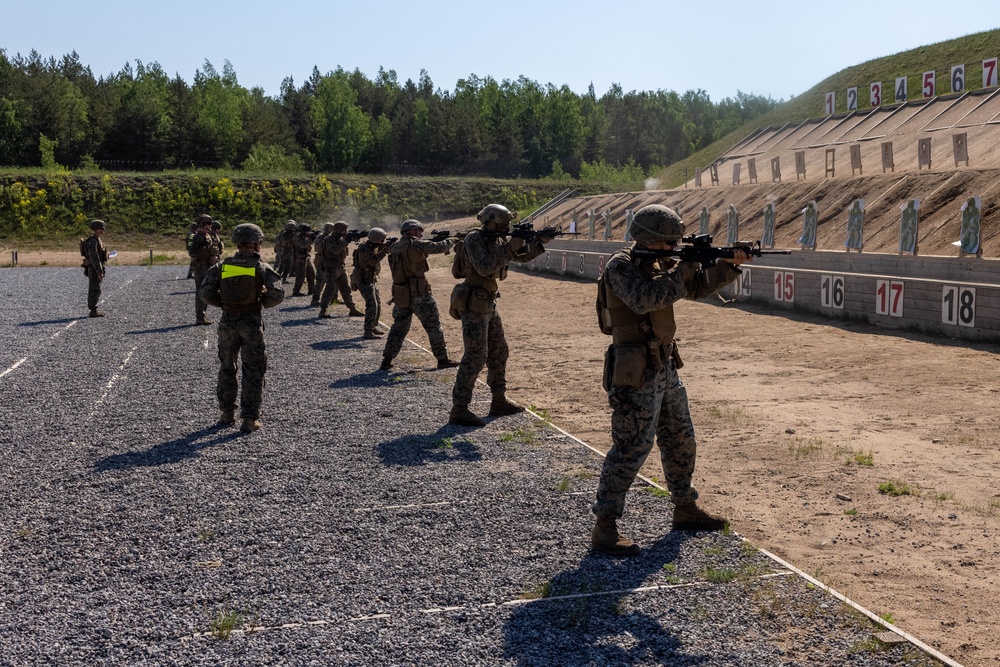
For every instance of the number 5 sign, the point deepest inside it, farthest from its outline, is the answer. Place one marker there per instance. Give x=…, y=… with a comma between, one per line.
x=784, y=286
x=889, y=298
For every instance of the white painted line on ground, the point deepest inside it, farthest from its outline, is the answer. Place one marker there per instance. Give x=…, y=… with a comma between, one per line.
x=111, y=382
x=14, y=367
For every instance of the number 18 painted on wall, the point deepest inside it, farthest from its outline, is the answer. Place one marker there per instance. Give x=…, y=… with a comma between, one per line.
x=889, y=298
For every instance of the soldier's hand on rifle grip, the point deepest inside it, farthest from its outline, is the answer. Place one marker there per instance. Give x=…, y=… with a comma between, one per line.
x=515, y=244
x=739, y=257
x=688, y=270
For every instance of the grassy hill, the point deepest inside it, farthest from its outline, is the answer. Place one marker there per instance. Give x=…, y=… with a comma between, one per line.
x=970, y=50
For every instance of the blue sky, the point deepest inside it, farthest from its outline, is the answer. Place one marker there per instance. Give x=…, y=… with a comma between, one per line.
x=767, y=47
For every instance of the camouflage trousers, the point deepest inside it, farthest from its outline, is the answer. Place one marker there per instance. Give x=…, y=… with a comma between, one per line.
x=200, y=271
x=373, y=305
x=304, y=271
x=336, y=282
x=485, y=345
x=241, y=337
x=658, y=408
x=322, y=278
x=426, y=310
x=93, y=288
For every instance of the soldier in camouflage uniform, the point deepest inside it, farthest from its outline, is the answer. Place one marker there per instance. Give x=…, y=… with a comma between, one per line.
x=204, y=253
x=187, y=242
x=94, y=259
x=301, y=249
x=241, y=286
x=486, y=253
x=645, y=392
x=216, y=239
x=411, y=293
x=367, y=265
x=283, y=249
x=334, y=256
x=318, y=262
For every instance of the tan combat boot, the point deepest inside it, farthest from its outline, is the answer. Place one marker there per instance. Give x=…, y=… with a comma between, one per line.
x=228, y=416
x=250, y=425
x=371, y=334
x=606, y=539
x=500, y=406
x=462, y=416
x=689, y=516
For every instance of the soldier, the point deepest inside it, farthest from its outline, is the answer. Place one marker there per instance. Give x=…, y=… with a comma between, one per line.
x=188, y=241
x=321, y=274
x=334, y=256
x=202, y=253
x=218, y=247
x=486, y=253
x=95, y=256
x=241, y=285
x=411, y=293
x=282, y=249
x=367, y=265
x=646, y=395
x=301, y=249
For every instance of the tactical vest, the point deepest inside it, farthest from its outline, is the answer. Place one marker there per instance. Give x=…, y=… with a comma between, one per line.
x=241, y=280
x=365, y=262
x=318, y=248
x=489, y=282
x=334, y=250
x=626, y=325
x=406, y=262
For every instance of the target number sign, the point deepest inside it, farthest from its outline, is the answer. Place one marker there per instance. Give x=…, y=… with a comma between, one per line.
x=601, y=261
x=875, y=94
x=563, y=267
x=958, y=305
x=831, y=103
x=852, y=99
x=958, y=78
x=989, y=73
x=929, y=88
x=889, y=298
x=831, y=292
x=784, y=286
x=901, y=92
x=741, y=286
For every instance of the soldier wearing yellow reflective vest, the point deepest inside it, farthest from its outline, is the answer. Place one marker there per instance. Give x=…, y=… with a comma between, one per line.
x=242, y=285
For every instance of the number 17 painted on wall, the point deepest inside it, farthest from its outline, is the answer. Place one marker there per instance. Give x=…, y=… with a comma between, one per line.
x=889, y=298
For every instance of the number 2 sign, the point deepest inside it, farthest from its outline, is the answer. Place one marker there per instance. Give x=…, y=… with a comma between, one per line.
x=889, y=298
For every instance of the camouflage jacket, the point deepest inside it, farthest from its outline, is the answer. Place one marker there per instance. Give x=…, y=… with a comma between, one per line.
x=408, y=256
x=302, y=245
x=368, y=261
x=271, y=292
x=94, y=254
x=335, y=250
x=202, y=249
x=485, y=258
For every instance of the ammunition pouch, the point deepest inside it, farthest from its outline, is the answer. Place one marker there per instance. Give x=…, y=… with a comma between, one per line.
x=401, y=295
x=459, y=300
x=628, y=364
x=481, y=300
x=355, y=281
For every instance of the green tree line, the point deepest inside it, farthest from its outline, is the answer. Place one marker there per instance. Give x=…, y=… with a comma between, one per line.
x=56, y=112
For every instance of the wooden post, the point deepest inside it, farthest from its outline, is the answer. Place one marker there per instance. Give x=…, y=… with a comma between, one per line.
x=831, y=162
x=800, y=164
x=776, y=169
x=713, y=171
x=887, y=161
x=924, y=153
x=856, y=160
x=961, y=148
x=736, y=174
x=752, y=169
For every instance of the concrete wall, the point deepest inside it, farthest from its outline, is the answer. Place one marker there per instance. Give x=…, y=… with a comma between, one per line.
x=917, y=293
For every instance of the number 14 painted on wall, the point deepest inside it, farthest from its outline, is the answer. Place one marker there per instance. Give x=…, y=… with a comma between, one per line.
x=889, y=298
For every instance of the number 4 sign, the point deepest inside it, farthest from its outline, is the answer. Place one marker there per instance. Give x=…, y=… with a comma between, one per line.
x=889, y=298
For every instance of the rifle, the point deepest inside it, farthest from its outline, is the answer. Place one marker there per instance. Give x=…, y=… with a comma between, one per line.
x=526, y=231
x=390, y=241
x=445, y=234
x=356, y=235
x=700, y=249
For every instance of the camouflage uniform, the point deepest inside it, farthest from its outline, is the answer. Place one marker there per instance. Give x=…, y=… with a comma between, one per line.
x=282, y=252
x=204, y=253
x=241, y=328
x=304, y=270
x=368, y=264
x=334, y=256
x=647, y=290
x=318, y=263
x=485, y=258
x=94, y=258
x=408, y=262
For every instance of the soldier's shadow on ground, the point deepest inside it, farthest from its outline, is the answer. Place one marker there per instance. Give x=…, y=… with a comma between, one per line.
x=373, y=379
x=65, y=320
x=161, y=330
x=179, y=293
x=302, y=321
x=343, y=344
x=172, y=451
x=442, y=446
x=600, y=629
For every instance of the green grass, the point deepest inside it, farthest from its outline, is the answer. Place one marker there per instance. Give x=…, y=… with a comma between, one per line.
x=894, y=488
x=866, y=459
x=537, y=591
x=224, y=623
x=657, y=493
x=719, y=575
x=563, y=485
x=851, y=512
x=522, y=435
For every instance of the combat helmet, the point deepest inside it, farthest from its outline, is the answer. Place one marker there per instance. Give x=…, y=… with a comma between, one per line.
x=96, y=224
x=290, y=225
x=203, y=219
x=329, y=227
x=655, y=223
x=247, y=233
x=305, y=227
x=495, y=217
x=376, y=235
x=340, y=227
x=410, y=225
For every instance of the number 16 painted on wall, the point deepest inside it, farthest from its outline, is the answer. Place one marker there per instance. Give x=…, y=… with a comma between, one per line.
x=889, y=298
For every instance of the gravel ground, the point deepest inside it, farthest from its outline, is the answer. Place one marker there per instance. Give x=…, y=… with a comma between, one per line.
x=134, y=530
